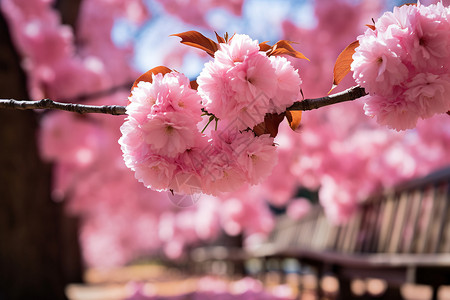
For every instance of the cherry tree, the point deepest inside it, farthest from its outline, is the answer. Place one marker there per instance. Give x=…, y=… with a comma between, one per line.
x=223, y=135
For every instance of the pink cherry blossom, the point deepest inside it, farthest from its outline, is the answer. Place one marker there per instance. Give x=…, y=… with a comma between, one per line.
x=429, y=41
x=398, y=113
x=254, y=83
x=169, y=134
x=162, y=125
x=377, y=65
x=155, y=172
x=221, y=175
x=396, y=24
x=239, y=83
x=288, y=84
x=238, y=48
x=430, y=91
x=255, y=155
x=143, y=98
x=403, y=63
x=174, y=94
x=215, y=90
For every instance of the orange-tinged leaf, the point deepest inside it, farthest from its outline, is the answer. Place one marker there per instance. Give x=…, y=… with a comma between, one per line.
x=259, y=129
x=414, y=4
x=147, y=76
x=371, y=26
x=264, y=47
x=284, y=47
x=228, y=38
x=270, y=125
x=194, y=84
x=294, y=117
x=343, y=62
x=219, y=38
x=198, y=40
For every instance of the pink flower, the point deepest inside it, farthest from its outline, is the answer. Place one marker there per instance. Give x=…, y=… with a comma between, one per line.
x=176, y=95
x=169, y=134
x=288, y=84
x=214, y=87
x=238, y=83
x=255, y=155
x=186, y=183
x=192, y=159
x=143, y=98
x=161, y=127
x=429, y=41
x=377, y=65
x=397, y=113
x=431, y=92
x=155, y=172
x=403, y=65
x=253, y=78
x=396, y=23
x=132, y=142
x=168, y=93
x=164, y=114
x=221, y=176
x=239, y=47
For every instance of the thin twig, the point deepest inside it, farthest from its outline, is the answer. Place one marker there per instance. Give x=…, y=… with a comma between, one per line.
x=49, y=104
x=352, y=93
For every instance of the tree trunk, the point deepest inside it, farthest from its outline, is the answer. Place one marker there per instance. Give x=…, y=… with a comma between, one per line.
x=39, y=251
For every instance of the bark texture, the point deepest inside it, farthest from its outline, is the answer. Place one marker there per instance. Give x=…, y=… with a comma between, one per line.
x=39, y=252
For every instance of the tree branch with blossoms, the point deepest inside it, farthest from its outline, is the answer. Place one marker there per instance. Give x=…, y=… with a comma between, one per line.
x=71, y=107
x=251, y=87
x=350, y=94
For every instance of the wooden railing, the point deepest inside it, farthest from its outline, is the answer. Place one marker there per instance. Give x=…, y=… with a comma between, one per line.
x=401, y=235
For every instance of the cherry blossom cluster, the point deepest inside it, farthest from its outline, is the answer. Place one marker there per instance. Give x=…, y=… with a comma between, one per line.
x=165, y=140
x=403, y=63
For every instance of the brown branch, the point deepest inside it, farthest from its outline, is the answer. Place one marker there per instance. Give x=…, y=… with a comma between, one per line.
x=49, y=104
x=352, y=93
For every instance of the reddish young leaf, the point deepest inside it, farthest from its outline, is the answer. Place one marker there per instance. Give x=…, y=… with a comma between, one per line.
x=414, y=4
x=343, y=62
x=194, y=84
x=227, y=38
x=260, y=129
x=147, y=76
x=284, y=47
x=270, y=125
x=198, y=40
x=264, y=47
x=219, y=38
x=294, y=118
